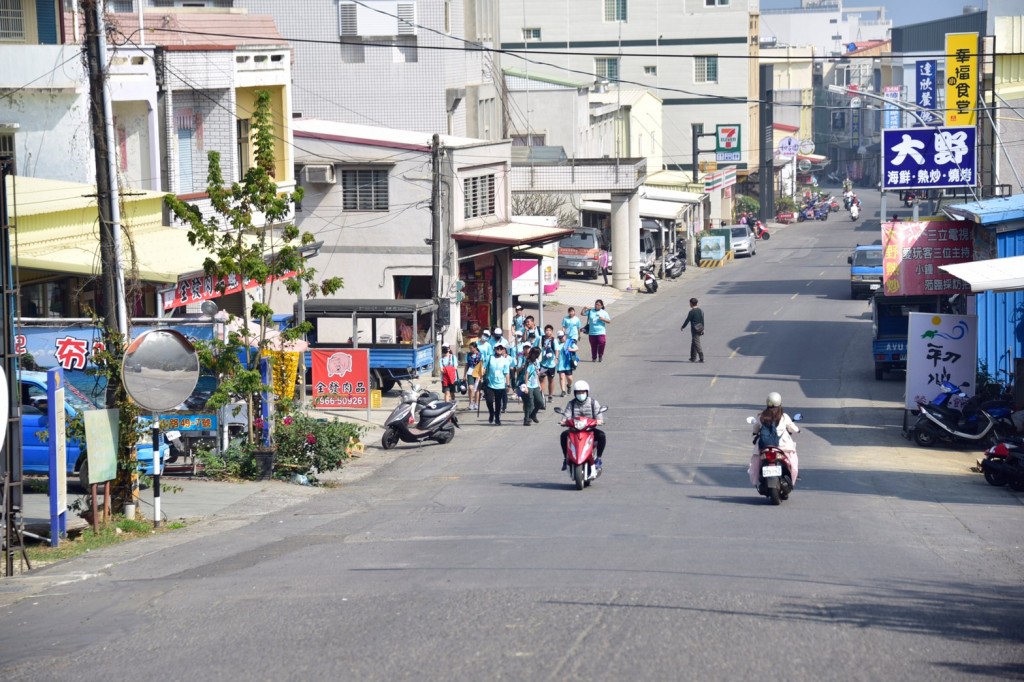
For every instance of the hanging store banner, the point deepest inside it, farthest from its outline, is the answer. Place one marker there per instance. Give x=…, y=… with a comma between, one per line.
x=926, y=84
x=940, y=348
x=892, y=113
x=199, y=288
x=912, y=253
x=961, y=79
x=929, y=158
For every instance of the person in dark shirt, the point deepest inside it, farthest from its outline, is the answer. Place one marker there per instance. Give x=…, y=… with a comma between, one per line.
x=695, y=320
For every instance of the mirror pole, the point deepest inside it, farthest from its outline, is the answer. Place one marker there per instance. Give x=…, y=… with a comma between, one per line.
x=156, y=470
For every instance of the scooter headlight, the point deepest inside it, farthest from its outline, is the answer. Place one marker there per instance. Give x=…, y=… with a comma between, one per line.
x=580, y=424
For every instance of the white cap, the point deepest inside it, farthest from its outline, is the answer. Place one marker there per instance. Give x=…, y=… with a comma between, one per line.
x=519, y=332
x=561, y=333
x=497, y=331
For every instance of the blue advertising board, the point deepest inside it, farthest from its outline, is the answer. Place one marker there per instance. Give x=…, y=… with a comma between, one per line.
x=926, y=158
x=925, y=84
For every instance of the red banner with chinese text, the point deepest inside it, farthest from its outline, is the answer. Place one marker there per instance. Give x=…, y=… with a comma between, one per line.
x=341, y=378
x=913, y=253
x=205, y=287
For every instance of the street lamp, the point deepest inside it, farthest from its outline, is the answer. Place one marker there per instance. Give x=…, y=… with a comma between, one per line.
x=839, y=89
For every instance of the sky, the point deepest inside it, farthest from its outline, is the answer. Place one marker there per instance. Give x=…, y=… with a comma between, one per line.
x=901, y=12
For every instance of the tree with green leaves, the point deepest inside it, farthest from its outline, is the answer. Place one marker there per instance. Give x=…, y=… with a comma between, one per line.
x=248, y=238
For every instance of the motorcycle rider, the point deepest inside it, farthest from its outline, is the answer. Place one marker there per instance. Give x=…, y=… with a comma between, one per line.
x=582, y=405
x=784, y=427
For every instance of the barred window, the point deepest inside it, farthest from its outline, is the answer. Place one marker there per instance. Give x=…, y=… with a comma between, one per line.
x=615, y=10
x=607, y=68
x=364, y=189
x=12, y=21
x=705, y=69
x=479, y=193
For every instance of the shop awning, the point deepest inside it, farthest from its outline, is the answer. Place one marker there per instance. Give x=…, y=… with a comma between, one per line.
x=813, y=158
x=995, y=211
x=512, y=234
x=649, y=208
x=996, y=274
x=160, y=253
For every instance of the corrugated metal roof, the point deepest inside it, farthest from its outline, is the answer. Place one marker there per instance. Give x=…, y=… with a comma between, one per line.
x=989, y=211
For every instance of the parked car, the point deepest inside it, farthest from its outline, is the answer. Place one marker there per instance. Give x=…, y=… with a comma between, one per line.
x=581, y=252
x=742, y=241
x=34, y=430
x=865, y=270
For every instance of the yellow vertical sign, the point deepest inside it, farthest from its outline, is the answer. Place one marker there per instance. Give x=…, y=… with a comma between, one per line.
x=961, y=79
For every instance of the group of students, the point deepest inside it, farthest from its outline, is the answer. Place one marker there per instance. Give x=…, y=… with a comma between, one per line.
x=526, y=364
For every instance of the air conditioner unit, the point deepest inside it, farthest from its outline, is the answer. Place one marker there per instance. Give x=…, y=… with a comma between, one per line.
x=318, y=175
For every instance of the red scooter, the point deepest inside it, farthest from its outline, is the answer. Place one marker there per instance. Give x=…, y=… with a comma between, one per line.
x=760, y=231
x=581, y=453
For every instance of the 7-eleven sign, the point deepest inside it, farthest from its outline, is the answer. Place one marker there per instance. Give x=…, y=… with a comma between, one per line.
x=727, y=142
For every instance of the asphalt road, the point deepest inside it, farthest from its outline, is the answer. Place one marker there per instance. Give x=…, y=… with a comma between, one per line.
x=476, y=560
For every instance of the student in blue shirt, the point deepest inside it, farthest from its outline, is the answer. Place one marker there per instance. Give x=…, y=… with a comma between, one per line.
x=533, y=398
x=566, y=350
x=548, y=360
x=519, y=320
x=571, y=325
x=496, y=381
x=597, y=317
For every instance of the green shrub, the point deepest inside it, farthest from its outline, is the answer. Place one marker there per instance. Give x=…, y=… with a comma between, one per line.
x=310, y=446
x=746, y=204
x=235, y=462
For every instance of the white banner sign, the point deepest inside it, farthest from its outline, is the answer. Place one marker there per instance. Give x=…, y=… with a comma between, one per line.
x=940, y=348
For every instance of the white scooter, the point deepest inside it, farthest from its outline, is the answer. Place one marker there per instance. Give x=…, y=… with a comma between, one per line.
x=647, y=275
x=854, y=212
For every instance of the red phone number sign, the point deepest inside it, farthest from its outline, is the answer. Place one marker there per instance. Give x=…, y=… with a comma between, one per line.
x=341, y=378
x=913, y=253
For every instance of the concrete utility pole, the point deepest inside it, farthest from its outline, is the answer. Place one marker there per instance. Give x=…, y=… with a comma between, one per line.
x=435, y=250
x=112, y=270
x=767, y=142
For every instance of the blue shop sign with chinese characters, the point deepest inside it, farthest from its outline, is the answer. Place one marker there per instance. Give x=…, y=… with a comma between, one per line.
x=927, y=158
x=926, y=84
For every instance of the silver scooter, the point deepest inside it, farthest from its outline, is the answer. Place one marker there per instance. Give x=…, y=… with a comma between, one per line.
x=418, y=417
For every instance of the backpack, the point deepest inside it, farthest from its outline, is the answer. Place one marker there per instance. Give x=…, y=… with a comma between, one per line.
x=768, y=436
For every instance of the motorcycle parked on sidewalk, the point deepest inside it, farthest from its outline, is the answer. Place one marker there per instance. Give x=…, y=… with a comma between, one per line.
x=805, y=213
x=647, y=275
x=939, y=422
x=1004, y=463
x=420, y=416
x=581, y=453
x=760, y=231
x=775, y=479
x=674, y=267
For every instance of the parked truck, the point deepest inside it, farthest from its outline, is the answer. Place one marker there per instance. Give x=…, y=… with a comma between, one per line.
x=890, y=318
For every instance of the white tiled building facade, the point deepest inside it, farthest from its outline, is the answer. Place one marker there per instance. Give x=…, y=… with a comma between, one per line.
x=698, y=56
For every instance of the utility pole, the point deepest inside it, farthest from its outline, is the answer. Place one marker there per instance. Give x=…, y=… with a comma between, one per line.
x=766, y=118
x=435, y=250
x=101, y=116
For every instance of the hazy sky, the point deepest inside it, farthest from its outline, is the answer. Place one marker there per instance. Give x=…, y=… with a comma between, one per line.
x=902, y=12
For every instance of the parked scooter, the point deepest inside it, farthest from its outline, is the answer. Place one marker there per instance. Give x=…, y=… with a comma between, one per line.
x=833, y=204
x=805, y=213
x=647, y=275
x=821, y=212
x=854, y=212
x=760, y=231
x=674, y=267
x=775, y=480
x=581, y=453
x=1004, y=463
x=937, y=421
x=418, y=417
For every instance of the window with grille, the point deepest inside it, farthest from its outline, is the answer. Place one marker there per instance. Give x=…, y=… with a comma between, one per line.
x=534, y=140
x=716, y=3
x=123, y=6
x=7, y=149
x=607, y=68
x=705, y=69
x=615, y=10
x=12, y=21
x=650, y=70
x=531, y=34
x=364, y=189
x=479, y=193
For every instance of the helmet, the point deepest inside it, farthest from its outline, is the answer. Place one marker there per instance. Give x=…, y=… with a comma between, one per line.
x=581, y=385
x=774, y=399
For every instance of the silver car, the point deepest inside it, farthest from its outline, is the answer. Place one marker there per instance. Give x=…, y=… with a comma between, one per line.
x=742, y=241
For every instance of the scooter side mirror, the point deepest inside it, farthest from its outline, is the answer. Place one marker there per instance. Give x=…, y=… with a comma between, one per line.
x=558, y=410
x=603, y=409
x=751, y=420
x=798, y=417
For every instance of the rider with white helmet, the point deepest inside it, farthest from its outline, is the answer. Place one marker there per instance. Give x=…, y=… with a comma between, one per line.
x=582, y=405
x=772, y=415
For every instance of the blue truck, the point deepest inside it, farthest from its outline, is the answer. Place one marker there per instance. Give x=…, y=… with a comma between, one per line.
x=865, y=270
x=890, y=320
x=399, y=334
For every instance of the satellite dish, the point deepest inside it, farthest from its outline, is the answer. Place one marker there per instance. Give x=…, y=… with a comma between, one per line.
x=209, y=308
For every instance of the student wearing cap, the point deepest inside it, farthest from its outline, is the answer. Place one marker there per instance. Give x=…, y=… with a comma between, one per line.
x=485, y=346
x=449, y=373
x=496, y=382
x=473, y=367
x=519, y=321
x=497, y=338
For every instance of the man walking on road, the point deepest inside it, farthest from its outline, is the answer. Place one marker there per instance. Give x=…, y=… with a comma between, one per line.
x=695, y=320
